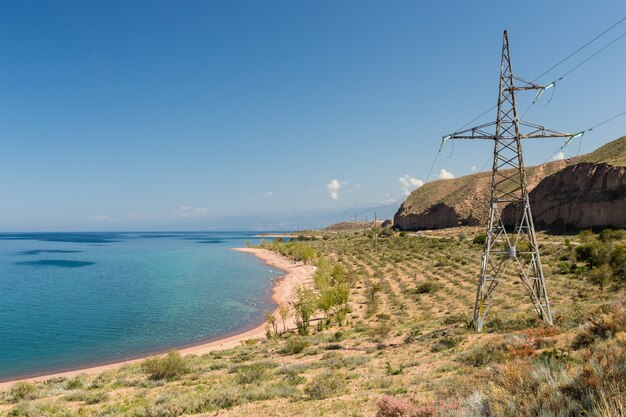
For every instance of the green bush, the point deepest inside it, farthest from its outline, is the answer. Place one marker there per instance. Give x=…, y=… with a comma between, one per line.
x=21, y=391
x=609, y=235
x=225, y=397
x=96, y=397
x=618, y=262
x=294, y=345
x=601, y=276
x=480, y=239
x=328, y=384
x=169, y=367
x=445, y=343
x=482, y=355
x=249, y=374
x=428, y=287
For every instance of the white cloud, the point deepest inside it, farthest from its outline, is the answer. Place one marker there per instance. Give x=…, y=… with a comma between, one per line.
x=389, y=200
x=187, y=211
x=139, y=215
x=333, y=189
x=408, y=184
x=445, y=175
x=101, y=218
x=269, y=193
x=473, y=168
x=559, y=156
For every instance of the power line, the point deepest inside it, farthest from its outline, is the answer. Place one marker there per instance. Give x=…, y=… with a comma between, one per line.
x=579, y=49
x=606, y=121
x=433, y=165
x=558, y=64
x=592, y=56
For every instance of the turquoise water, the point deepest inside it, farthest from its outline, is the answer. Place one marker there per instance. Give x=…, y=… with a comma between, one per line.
x=69, y=300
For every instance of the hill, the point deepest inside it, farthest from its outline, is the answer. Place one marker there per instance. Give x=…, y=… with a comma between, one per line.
x=464, y=201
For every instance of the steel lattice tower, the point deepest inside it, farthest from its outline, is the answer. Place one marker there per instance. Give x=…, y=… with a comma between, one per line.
x=509, y=247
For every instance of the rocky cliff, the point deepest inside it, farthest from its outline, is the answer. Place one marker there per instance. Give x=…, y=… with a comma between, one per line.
x=587, y=191
x=581, y=196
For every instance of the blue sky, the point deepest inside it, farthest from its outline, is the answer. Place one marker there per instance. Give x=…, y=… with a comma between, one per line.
x=134, y=115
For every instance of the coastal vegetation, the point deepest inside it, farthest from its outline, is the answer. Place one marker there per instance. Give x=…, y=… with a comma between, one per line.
x=384, y=330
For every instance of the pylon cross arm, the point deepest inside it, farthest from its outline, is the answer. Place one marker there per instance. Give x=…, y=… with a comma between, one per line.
x=535, y=132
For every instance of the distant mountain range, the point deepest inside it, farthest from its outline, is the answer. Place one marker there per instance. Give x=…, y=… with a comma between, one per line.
x=292, y=220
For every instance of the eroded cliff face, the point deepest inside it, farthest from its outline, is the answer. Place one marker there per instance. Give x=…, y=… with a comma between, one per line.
x=581, y=196
x=438, y=216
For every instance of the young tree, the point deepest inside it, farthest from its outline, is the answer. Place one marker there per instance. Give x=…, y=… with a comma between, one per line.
x=601, y=275
x=373, y=289
x=304, y=305
x=270, y=320
x=283, y=312
x=326, y=301
x=338, y=274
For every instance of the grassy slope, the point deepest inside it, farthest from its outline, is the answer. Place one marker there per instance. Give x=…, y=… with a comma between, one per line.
x=411, y=340
x=613, y=153
x=455, y=192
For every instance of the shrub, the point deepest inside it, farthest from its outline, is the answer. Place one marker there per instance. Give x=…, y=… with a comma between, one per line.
x=428, y=287
x=601, y=276
x=413, y=334
x=328, y=384
x=74, y=383
x=445, y=343
x=618, y=262
x=225, y=397
x=603, y=327
x=248, y=374
x=395, y=407
x=96, y=398
x=169, y=367
x=21, y=391
x=293, y=377
x=609, y=235
x=480, y=239
x=26, y=409
x=484, y=355
x=390, y=370
x=520, y=389
x=294, y=345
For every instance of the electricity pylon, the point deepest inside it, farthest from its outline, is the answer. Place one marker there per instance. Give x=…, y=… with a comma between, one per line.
x=510, y=246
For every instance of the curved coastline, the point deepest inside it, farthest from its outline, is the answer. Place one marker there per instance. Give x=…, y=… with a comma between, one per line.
x=295, y=273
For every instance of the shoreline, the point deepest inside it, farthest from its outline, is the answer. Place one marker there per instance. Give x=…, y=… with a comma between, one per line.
x=295, y=273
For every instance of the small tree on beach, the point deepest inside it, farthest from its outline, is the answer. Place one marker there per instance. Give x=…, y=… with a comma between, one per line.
x=271, y=323
x=283, y=312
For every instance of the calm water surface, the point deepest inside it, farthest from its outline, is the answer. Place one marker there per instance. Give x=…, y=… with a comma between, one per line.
x=75, y=299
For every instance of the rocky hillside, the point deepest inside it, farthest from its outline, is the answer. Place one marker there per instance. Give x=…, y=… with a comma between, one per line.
x=587, y=191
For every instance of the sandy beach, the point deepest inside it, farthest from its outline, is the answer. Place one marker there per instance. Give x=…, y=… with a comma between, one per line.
x=296, y=273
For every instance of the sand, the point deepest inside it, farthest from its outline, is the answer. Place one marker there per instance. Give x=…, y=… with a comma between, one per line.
x=296, y=273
